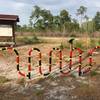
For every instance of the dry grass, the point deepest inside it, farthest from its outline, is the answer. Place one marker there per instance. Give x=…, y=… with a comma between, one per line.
x=3, y=79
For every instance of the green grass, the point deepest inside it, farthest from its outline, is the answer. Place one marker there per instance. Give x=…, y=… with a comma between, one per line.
x=79, y=44
x=28, y=40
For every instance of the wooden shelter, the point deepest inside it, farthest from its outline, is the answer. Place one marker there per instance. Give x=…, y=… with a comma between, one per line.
x=7, y=28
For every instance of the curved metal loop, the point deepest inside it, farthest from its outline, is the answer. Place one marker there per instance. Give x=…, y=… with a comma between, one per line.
x=17, y=59
x=29, y=62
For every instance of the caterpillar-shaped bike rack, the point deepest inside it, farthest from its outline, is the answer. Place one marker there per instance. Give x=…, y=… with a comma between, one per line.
x=17, y=59
x=80, y=72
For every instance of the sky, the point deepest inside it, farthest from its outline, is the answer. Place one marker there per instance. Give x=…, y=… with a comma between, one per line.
x=23, y=8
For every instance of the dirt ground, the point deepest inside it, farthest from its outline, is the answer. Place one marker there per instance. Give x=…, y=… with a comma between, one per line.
x=53, y=87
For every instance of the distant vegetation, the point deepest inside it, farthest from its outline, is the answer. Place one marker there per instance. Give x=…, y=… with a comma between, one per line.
x=43, y=22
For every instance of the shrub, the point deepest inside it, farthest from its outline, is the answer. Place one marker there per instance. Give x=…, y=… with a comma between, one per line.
x=31, y=40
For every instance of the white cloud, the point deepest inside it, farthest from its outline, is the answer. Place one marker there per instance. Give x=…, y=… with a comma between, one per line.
x=23, y=8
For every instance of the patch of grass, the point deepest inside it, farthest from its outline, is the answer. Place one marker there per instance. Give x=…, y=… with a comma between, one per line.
x=32, y=40
x=94, y=43
x=3, y=79
x=79, y=44
x=28, y=40
x=63, y=45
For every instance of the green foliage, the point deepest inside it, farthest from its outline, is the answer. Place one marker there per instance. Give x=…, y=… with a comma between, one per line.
x=63, y=45
x=88, y=26
x=97, y=21
x=81, y=11
x=42, y=20
x=94, y=43
x=31, y=40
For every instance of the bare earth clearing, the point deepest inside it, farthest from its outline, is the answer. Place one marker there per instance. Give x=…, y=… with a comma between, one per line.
x=53, y=87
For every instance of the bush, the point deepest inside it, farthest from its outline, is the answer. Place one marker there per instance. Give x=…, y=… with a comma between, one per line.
x=31, y=40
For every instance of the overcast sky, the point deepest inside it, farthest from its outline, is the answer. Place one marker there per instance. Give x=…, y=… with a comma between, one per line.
x=23, y=8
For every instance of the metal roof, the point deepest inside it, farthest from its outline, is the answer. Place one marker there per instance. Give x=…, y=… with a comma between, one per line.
x=5, y=17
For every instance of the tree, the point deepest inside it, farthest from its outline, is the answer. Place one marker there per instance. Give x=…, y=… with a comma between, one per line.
x=75, y=25
x=35, y=15
x=47, y=18
x=56, y=23
x=87, y=19
x=81, y=11
x=97, y=21
x=41, y=19
x=64, y=19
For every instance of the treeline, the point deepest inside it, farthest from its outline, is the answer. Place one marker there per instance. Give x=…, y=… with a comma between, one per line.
x=42, y=20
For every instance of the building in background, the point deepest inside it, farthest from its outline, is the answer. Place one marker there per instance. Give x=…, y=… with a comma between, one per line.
x=7, y=28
